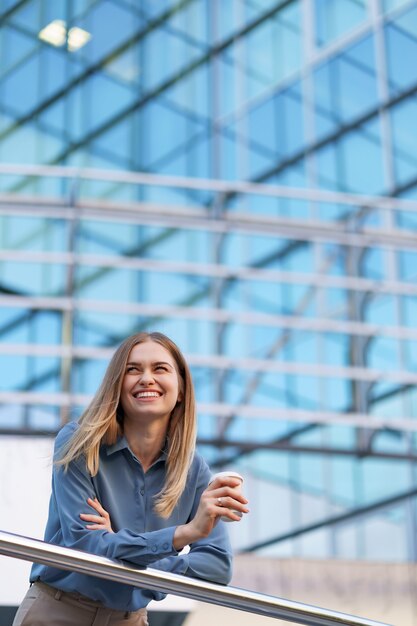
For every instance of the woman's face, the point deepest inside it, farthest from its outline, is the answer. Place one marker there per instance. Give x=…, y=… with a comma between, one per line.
x=151, y=383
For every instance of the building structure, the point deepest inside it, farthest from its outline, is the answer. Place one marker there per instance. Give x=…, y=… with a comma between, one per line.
x=242, y=176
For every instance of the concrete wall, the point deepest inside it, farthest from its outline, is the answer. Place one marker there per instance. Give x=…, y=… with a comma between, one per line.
x=382, y=591
x=25, y=478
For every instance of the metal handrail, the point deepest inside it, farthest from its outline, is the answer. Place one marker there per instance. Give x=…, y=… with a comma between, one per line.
x=30, y=549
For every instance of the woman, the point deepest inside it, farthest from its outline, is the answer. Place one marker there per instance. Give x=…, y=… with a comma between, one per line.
x=127, y=484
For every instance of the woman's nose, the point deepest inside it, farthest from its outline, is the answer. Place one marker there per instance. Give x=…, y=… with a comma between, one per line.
x=146, y=377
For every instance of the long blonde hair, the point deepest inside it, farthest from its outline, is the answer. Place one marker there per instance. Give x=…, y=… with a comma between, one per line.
x=102, y=421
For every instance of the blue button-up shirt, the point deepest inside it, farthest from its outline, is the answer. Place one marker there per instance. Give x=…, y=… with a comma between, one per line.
x=141, y=537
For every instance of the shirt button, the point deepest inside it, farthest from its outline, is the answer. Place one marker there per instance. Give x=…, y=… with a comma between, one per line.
x=154, y=548
x=165, y=546
x=142, y=492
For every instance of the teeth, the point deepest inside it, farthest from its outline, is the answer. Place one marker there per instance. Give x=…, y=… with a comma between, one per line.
x=147, y=394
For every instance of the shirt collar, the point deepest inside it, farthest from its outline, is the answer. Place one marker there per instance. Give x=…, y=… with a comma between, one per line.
x=122, y=444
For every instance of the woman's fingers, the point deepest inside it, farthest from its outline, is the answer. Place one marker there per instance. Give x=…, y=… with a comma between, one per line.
x=92, y=518
x=94, y=526
x=100, y=521
x=230, y=507
x=228, y=502
x=95, y=504
x=229, y=497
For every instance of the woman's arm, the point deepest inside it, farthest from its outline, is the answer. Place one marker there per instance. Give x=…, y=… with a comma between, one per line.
x=71, y=488
x=210, y=555
x=101, y=521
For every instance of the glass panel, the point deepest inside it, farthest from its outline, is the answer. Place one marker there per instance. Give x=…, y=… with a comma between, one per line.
x=334, y=19
x=401, y=43
x=273, y=50
x=345, y=87
x=404, y=120
x=354, y=162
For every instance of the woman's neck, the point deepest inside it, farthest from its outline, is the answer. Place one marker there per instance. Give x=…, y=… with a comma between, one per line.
x=146, y=442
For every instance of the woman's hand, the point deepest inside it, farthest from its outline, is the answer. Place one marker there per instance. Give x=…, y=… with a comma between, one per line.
x=219, y=499
x=100, y=521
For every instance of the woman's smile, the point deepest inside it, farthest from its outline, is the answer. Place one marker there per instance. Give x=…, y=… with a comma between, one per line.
x=147, y=395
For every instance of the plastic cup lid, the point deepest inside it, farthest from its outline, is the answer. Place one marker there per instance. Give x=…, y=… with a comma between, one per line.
x=226, y=473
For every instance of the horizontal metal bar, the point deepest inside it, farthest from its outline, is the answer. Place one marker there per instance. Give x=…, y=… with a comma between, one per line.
x=208, y=184
x=321, y=281
x=29, y=549
x=223, y=316
x=179, y=217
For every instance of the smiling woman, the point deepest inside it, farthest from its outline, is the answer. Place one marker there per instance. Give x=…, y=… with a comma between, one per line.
x=151, y=389
x=128, y=484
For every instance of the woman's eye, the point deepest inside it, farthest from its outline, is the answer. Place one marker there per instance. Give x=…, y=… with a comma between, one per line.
x=161, y=367
x=131, y=369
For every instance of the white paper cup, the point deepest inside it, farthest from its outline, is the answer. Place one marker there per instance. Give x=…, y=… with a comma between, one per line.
x=238, y=489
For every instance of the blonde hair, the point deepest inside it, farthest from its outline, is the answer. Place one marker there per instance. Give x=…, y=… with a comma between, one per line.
x=102, y=422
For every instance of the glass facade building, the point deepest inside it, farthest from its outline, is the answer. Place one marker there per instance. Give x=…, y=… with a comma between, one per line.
x=241, y=175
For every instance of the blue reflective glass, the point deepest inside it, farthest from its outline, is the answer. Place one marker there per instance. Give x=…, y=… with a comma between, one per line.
x=166, y=43
x=389, y=5
x=29, y=16
x=383, y=354
x=404, y=126
x=110, y=25
x=333, y=19
x=20, y=89
x=54, y=71
x=173, y=128
x=192, y=94
x=407, y=263
x=34, y=234
x=107, y=98
x=273, y=50
x=401, y=43
x=15, y=48
x=355, y=161
x=381, y=310
x=345, y=87
x=276, y=129
x=33, y=278
x=409, y=310
x=116, y=143
x=87, y=375
x=30, y=373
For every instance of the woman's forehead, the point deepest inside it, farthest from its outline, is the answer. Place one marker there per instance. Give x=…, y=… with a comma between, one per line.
x=150, y=352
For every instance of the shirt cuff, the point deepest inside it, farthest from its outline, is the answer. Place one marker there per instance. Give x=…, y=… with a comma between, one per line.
x=161, y=542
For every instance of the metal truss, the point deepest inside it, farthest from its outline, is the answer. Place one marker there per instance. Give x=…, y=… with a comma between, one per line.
x=348, y=233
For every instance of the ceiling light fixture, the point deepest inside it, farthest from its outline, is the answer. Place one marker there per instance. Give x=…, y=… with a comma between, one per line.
x=77, y=38
x=54, y=33
x=57, y=35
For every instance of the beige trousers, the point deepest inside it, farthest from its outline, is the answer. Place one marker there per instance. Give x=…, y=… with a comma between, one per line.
x=45, y=606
